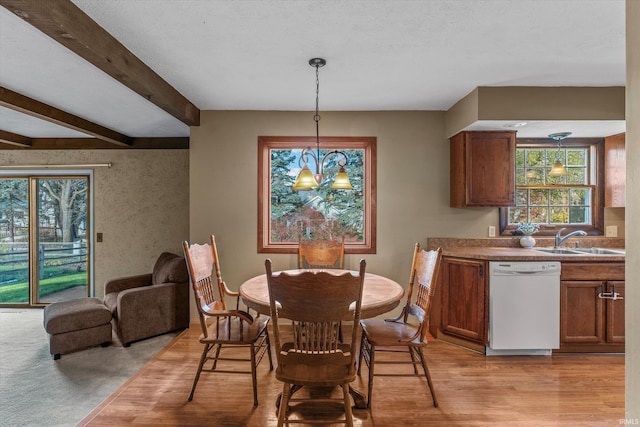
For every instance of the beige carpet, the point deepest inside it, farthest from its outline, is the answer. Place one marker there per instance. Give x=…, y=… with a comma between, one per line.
x=35, y=390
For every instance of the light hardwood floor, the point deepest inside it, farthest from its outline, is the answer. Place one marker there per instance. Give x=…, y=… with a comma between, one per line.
x=473, y=390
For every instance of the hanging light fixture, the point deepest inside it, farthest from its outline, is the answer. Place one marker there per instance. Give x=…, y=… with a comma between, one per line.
x=306, y=179
x=558, y=168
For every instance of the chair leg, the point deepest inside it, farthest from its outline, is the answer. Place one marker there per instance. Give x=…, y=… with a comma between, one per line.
x=284, y=404
x=361, y=353
x=413, y=360
x=215, y=359
x=428, y=375
x=253, y=375
x=269, y=349
x=372, y=355
x=348, y=415
x=203, y=358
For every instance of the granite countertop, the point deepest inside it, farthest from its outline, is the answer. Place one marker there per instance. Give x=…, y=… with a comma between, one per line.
x=508, y=249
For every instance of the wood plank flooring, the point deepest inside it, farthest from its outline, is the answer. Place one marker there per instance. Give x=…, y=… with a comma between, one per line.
x=473, y=390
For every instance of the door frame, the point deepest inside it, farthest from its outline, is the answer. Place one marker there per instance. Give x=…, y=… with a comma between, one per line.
x=38, y=173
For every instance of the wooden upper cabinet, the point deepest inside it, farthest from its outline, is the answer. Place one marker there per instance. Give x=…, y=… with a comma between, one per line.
x=483, y=169
x=614, y=171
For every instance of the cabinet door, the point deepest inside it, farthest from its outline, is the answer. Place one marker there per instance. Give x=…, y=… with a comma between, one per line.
x=615, y=313
x=483, y=169
x=581, y=312
x=464, y=299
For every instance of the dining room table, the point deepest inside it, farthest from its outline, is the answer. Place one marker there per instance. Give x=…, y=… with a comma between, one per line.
x=379, y=295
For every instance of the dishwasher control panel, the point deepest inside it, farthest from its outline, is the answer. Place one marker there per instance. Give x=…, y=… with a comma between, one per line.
x=520, y=267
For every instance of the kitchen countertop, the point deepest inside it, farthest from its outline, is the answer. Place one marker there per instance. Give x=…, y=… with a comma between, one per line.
x=522, y=254
x=508, y=249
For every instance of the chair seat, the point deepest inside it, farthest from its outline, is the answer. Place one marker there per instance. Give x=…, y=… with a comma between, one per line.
x=220, y=331
x=329, y=369
x=382, y=333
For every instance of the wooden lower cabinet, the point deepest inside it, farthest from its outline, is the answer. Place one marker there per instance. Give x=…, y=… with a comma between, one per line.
x=464, y=299
x=590, y=318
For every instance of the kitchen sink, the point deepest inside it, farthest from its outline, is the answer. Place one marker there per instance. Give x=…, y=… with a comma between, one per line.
x=581, y=251
x=600, y=251
x=559, y=251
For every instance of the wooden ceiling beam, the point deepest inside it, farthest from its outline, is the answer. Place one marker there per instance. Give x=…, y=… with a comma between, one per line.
x=15, y=139
x=173, y=143
x=70, y=26
x=34, y=108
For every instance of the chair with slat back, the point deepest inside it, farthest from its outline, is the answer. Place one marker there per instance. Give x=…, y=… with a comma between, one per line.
x=308, y=350
x=222, y=327
x=390, y=334
x=321, y=254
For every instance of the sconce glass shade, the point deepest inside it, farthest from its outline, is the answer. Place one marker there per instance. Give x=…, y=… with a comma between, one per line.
x=305, y=180
x=557, y=169
x=342, y=181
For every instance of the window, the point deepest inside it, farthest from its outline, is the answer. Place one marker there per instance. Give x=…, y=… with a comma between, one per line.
x=573, y=201
x=285, y=216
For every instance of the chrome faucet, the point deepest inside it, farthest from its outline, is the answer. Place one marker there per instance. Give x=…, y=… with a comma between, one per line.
x=559, y=239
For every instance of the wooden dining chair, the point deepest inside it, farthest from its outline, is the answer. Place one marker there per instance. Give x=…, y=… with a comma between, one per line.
x=307, y=347
x=321, y=254
x=388, y=335
x=222, y=327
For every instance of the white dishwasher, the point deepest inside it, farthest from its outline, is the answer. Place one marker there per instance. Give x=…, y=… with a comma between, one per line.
x=524, y=308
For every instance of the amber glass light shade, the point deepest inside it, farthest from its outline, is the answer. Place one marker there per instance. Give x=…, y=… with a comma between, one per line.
x=342, y=181
x=305, y=180
x=557, y=169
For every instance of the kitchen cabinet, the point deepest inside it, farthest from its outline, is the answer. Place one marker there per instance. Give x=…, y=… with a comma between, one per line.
x=464, y=299
x=482, y=169
x=614, y=171
x=591, y=318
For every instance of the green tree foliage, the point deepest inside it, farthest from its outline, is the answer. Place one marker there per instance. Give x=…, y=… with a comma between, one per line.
x=13, y=206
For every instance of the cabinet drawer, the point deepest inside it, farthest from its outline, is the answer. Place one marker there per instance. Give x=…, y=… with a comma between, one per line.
x=592, y=271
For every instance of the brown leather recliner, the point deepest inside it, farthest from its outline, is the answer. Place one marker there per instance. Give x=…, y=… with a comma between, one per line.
x=150, y=304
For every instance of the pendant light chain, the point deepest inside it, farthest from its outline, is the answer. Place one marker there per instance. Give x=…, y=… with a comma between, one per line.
x=317, y=117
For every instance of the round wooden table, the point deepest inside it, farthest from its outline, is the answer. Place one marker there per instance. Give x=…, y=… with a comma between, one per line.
x=379, y=294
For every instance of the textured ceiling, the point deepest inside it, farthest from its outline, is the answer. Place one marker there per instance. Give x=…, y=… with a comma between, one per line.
x=253, y=55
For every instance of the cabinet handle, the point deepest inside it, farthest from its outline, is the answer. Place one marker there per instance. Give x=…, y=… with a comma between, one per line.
x=613, y=295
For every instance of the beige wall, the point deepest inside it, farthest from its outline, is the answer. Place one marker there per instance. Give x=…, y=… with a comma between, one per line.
x=141, y=204
x=632, y=301
x=412, y=196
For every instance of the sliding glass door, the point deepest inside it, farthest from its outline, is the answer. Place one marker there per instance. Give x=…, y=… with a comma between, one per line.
x=44, y=245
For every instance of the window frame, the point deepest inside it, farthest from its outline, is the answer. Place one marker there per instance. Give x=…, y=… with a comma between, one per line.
x=596, y=145
x=267, y=143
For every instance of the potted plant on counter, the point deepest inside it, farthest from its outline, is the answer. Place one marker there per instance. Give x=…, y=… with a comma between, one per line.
x=526, y=229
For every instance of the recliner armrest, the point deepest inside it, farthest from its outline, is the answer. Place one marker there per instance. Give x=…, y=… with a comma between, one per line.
x=129, y=282
x=152, y=310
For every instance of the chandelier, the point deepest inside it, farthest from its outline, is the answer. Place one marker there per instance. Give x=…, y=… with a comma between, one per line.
x=307, y=180
x=558, y=168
